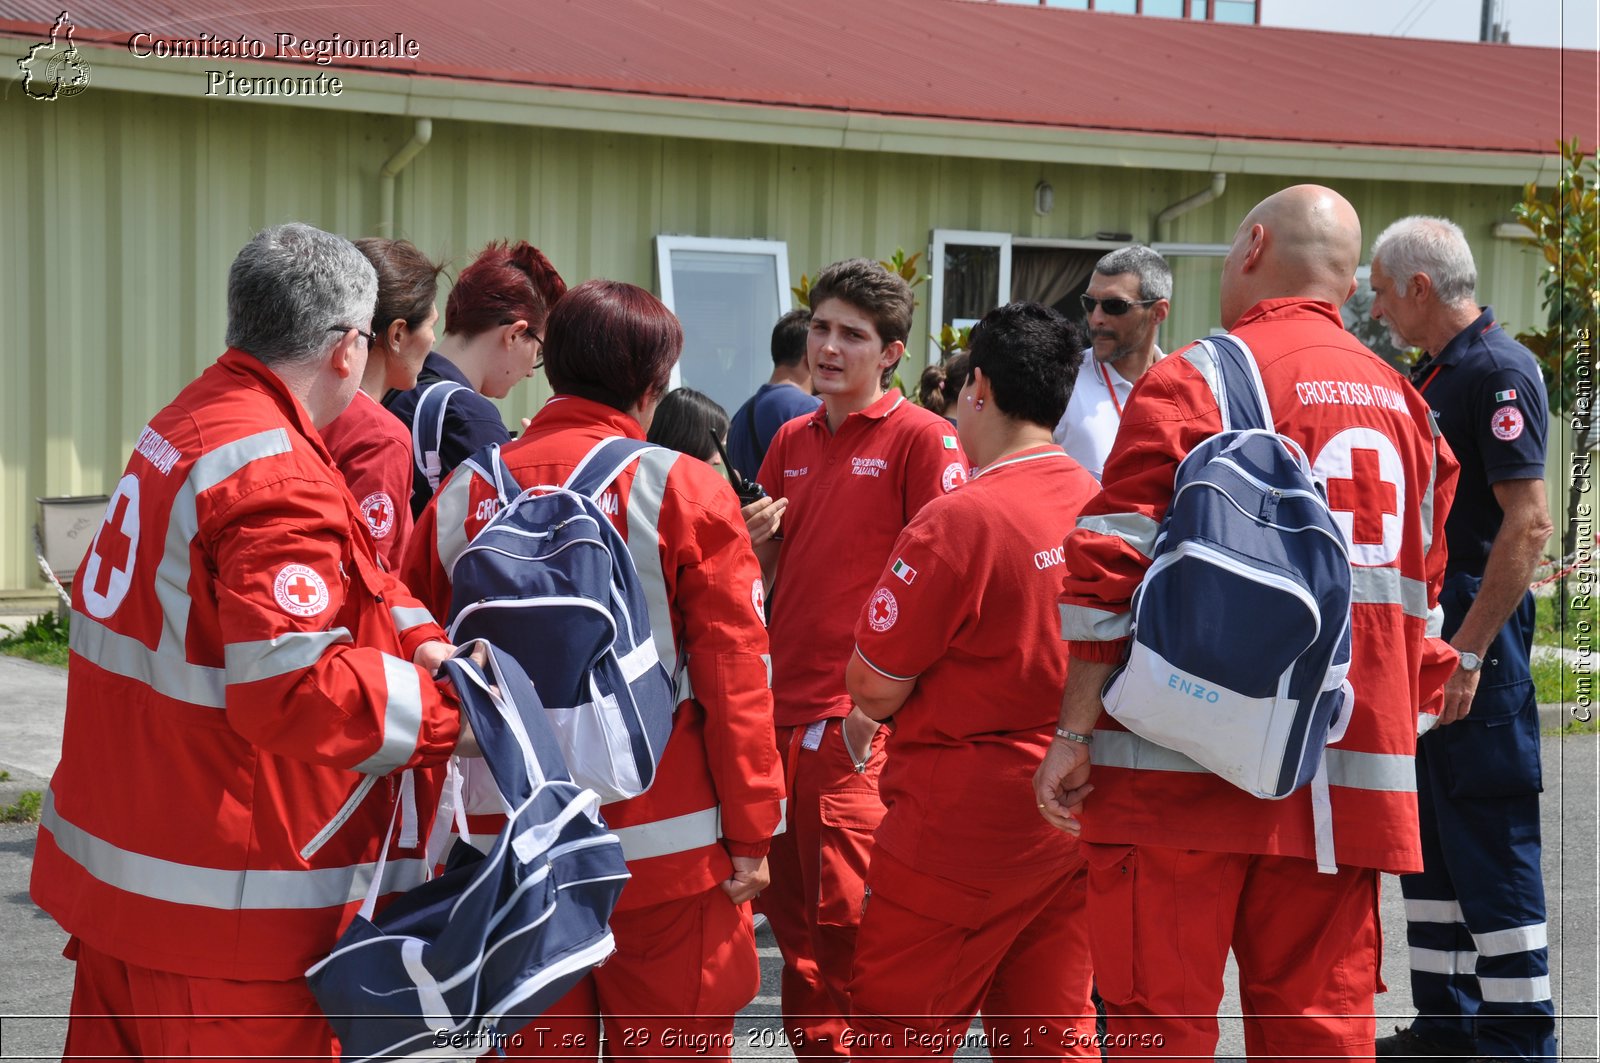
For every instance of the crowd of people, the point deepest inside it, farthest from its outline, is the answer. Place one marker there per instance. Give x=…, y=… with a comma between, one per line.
x=890, y=739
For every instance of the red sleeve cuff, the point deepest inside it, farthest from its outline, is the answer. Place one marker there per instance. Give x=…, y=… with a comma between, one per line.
x=755, y=850
x=1110, y=652
x=412, y=640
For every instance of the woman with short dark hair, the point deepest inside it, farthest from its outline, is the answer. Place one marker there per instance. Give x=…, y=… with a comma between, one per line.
x=696, y=841
x=976, y=903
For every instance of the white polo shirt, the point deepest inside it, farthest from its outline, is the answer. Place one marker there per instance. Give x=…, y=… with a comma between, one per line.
x=1094, y=412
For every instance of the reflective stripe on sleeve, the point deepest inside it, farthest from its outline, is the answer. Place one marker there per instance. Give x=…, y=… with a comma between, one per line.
x=1386, y=586
x=1079, y=623
x=645, y=497
x=250, y=662
x=209, y=887
x=452, y=504
x=402, y=718
x=407, y=617
x=680, y=834
x=1136, y=529
x=167, y=669
x=1384, y=772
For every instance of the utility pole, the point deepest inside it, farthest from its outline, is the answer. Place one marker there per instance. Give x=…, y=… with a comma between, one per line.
x=1490, y=28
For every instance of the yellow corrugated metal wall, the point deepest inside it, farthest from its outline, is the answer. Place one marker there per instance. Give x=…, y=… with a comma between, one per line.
x=120, y=212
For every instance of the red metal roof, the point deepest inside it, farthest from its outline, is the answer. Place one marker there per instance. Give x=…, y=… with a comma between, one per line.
x=945, y=59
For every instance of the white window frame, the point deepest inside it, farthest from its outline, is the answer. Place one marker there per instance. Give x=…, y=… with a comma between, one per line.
x=938, y=241
x=665, y=245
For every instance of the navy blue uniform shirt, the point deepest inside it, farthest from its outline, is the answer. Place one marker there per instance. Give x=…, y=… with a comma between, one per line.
x=470, y=423
x=775, y=405
x=1486, y=392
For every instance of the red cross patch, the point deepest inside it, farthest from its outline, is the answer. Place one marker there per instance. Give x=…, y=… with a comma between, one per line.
x=378, y=508
x=300, y=591
x=883, y=610
x=1506, y=423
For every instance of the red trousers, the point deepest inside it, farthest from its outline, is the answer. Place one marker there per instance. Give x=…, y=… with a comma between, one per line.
x=681, y=972
x=123, y=1011
x=819, y=869
x=933, y=951
x=1308, y=947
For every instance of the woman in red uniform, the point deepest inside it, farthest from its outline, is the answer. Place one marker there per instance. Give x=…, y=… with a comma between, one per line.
x=369, y=446
x=971, y=905
x=696, y=841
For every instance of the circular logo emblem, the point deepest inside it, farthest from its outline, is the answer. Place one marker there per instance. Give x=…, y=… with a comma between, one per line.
x=955, y=474
x=758, y=598
x=1506, y=423
x=108, y=568
x=300, y=591
x=883, y=610
x=378, y=508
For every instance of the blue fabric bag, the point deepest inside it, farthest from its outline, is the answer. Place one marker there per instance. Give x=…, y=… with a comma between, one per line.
x=1241, y=626
x=473, y=955
x=550, y=581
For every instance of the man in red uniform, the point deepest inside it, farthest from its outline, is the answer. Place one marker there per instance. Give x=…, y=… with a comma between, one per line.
x=853, y=474
x=239, y=662
x=975, y=903
x=696, y=841
x=1182, y=865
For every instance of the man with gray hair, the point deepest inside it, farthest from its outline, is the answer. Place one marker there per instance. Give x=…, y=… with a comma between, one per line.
x=1129, y=295
x=1480, y=975
x=243, y=671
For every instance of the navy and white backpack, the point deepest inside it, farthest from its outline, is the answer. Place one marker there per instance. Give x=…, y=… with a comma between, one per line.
x=1241, y=626
x=470, y=957
x=427, y=429
x=550, y=581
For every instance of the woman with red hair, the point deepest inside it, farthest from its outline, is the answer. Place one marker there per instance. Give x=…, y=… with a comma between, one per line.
x=696, y=841
x=494, y=326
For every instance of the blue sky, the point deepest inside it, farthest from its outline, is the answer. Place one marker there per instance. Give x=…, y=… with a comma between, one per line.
x=1550, y=23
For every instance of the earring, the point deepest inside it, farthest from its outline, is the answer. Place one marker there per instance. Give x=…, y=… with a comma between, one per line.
x=978, y=405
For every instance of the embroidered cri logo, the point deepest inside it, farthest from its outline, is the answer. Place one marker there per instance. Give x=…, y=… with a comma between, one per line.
x=55, y=69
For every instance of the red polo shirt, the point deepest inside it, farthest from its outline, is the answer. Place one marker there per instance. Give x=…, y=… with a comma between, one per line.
x=372, y=448
x=966, y=606
x=850, y=493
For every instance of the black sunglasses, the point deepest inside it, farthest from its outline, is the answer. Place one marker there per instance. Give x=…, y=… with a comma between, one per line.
x=372, y=337
x=1113, y=307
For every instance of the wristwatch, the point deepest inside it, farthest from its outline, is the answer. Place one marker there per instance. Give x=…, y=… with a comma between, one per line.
x=1470, y=662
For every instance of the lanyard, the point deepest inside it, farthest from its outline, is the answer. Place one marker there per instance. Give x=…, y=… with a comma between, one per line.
x=1105, y=375
x=1423, y=390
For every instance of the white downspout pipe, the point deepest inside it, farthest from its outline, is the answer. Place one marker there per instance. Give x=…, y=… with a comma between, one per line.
x=421, y=134
x=1219, y=184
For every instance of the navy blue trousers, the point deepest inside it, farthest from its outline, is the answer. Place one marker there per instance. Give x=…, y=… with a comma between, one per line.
x=1476, y=914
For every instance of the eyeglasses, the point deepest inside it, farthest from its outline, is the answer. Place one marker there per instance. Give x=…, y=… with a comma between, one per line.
x=372, y=337
x=1114, y=307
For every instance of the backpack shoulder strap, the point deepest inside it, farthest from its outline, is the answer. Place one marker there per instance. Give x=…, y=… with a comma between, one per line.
x=427, y=428
x=1235, y=380
x=603, y=464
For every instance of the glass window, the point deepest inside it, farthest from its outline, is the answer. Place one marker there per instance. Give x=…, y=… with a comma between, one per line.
x=1235, y=10
x=1117, y=7
x=1030, y=3
x=728, y=294
x=970, y=276
x=1199, y=8
x=1079, y=5
x=1164, y=8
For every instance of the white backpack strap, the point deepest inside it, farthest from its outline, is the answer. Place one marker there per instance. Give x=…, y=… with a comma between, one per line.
x=427, y=428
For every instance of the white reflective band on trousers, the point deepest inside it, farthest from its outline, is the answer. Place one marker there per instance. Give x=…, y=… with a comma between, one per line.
x=1436, y=961
x=218, y=888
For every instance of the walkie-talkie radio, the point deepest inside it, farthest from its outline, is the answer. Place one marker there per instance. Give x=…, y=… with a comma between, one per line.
x=748, y=490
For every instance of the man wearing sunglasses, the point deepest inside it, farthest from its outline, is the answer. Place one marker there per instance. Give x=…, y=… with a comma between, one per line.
x=1128, y=297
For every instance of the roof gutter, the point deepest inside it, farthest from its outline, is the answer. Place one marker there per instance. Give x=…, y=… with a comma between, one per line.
x=1219, y=184
x=421, y=133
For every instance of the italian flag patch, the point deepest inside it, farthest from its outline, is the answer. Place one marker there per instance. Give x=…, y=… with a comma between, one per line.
x=949, y=442
x=1505, y=396
x=904, y=571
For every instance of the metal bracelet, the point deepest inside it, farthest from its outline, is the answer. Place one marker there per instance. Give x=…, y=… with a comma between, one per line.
x=1074, y=736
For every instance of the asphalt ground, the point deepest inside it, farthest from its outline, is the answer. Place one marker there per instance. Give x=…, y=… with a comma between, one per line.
x=36, y=982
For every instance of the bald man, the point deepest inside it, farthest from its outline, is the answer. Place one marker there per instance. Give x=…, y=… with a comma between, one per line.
x=1183, y=865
